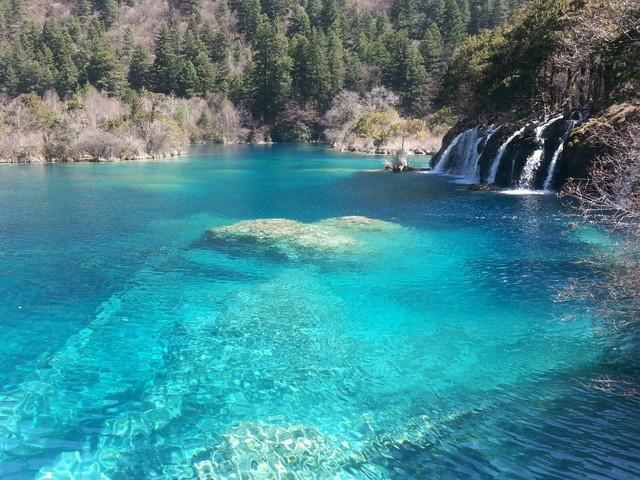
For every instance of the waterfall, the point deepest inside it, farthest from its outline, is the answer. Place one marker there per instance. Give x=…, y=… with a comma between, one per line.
x=533, y=162
x=440, y=167
x=472, y=169
x=461, y=157
x=557, y=153
x=496, y=162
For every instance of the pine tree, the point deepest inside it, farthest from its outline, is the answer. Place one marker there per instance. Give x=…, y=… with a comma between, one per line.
x=191, y=7
x=335, y=60
x=353, y=79
x=465, y=12
x=104, y=70
x=453, y=28
x=45, y=71
x=141, y=68
x=83, y=10
x=205, y=73
x=51, y=35
x=223, y=9
x=436, y=11
x=362, y=48
x=96, y=30
x=66, y=78
x=431, y=49
x=299, y=22
x=30, y=38
x=248, y=13
x=4, y=28
x=74, y=27
x=367, y=26
x=16, y=67
x=217, y=43
x=270, y=81
x=15, y=15
x=223, y=78
x=299, y=53
x=498, y=12
x=128, y=42
x=166, y=66
x=382, y=24
x=109, y=12
x=405, y=13
x=188, y=82
x=404, y=72
x=331, y=15
x=11, y=80
x=275, y=9
x=311, y=75
x=314, y=10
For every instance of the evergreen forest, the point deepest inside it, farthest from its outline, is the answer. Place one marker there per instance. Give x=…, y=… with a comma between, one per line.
x=225, y=71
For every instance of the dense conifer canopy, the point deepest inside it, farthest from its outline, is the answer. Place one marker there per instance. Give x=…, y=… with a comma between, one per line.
x=265, y=55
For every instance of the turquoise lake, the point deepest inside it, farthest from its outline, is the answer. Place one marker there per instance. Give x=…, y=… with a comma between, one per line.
x=424, y=345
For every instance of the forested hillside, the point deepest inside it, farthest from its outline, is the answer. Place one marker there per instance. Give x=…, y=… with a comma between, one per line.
x=554, y=55
x=577, y=59
x=245, y=68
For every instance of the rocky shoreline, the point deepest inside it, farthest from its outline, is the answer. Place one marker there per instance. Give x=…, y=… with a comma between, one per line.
x=37, y=159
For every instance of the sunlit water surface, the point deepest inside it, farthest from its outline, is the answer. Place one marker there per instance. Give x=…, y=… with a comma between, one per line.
x=134, y=347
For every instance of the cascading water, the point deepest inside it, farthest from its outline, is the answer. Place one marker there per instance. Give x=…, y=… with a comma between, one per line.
x=472, y=169
x=496, y=162
x=461, y=156
x=533, y=162
x=552, y=166
x=439, y=168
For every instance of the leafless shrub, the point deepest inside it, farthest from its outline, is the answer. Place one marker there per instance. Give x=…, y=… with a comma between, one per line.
x=347, y=106
x=100, y=108
x=52, y=101
x=612, y=190
x=144, y=17
x=38, y=10
x=380, y=99
x=228, y=121
x=27, y=149
x=99, y=145
x=374, y=6
x=211, y=12
x=162, y=136
x=132, y=147
x=59, y=144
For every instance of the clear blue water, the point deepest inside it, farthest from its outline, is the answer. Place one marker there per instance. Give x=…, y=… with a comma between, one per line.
x=133, y=347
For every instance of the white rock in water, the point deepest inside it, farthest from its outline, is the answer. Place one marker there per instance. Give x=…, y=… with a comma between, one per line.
x=356, y=223
x=292, y=237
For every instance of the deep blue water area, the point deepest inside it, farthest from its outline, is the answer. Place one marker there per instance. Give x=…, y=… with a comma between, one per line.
x=417, y=338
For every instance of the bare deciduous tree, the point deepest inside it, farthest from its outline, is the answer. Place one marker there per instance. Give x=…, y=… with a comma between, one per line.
x=611, y=195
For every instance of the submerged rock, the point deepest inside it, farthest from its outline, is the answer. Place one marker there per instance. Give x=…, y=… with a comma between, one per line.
x=292, y=237
x=484, y=187
x=284, y=232
x=256, y=450
x=356, y=223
